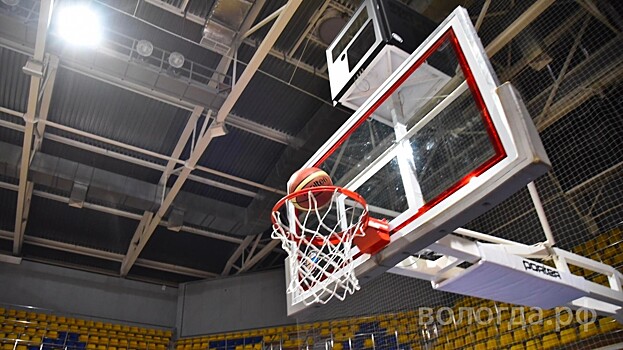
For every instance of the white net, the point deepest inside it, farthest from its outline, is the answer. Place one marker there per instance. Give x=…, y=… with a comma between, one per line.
x=319, y=242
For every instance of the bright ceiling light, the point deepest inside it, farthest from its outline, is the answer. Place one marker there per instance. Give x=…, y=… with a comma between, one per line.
x=79, y=25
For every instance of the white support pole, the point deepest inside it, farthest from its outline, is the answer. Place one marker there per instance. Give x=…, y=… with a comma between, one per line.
x=34, y=67
x=538, y=205
x=263, y=22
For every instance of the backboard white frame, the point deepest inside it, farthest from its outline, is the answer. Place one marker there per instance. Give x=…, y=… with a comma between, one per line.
x=524, y=160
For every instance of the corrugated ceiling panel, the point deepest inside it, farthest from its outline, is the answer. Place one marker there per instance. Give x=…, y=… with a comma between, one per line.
x=214, y=192
x=8, y=202
x=106, y=110
x=200, y=8
x=84, y=227
x=270, y=100
x=295, y=27
x=169, y=41
x=67, y=259
x=102, y=161
x=188, y=250
x=242, y=154
x=267, y=102
x=13, y=82
x=11, y=136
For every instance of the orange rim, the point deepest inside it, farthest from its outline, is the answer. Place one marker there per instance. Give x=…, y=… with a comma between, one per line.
x=335, y=237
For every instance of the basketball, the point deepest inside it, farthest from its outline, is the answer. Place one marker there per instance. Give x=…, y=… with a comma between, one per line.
x=308, y=178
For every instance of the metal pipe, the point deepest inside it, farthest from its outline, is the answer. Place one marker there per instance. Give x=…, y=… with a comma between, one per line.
x=110, y=256
x=138, y=161
x=121, y=213
x=482, y=15
x=11, y=112
x=517, y=26
x=263, y=22
x=536, y=200
x=151, y=165
x=484, y=237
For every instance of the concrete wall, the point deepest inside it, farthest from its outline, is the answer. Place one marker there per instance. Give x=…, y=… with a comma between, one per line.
x=73, y=291
x=235, y=303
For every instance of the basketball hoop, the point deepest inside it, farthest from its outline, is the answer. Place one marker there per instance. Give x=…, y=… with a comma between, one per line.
x=319, y=241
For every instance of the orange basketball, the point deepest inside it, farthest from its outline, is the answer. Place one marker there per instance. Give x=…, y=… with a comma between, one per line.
x=308, y=178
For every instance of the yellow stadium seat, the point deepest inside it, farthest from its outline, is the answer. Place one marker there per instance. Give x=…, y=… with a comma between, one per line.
x=517, y=347
x=7, y=346
x=587, y=330
x=550, y=341
x=21, y=347
x=492, y=344
x=520, y=334
x=568, y=336
x=533, y=344
x=481, y=335
x=506, y=339
x=549, y=325
x=608, y=324
x=91, y=346
x=480, y=346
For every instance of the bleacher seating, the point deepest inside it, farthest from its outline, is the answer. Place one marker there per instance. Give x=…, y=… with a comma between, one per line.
x=23, y=330
x=400, y=330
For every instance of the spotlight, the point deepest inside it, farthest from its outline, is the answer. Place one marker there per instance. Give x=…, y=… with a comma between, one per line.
x=79, y=25
x=144, y=48
x=176, y=60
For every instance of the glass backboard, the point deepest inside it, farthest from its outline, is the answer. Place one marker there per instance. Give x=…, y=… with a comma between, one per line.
x=436, y=145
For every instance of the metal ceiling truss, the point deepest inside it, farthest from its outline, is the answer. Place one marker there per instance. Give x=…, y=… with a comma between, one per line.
x=138, y=161
x=247, y=41
x=110, y=256
x=123, y=213
x=246, y=256
x=226, y=60
x=237, y=253
x=216, y=129
x=35, y=68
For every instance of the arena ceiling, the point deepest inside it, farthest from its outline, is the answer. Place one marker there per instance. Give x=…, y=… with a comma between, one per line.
x=119, y=163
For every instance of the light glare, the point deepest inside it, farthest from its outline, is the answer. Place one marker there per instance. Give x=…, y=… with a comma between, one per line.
x=80, y=26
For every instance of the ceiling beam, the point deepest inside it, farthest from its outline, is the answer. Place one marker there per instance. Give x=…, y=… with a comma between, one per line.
x=110, y=256
x=35, y=68
x=225, y=62
x=517, y=26
x=143, y=162
x=233, y=120
x=232, y=259
x=259, y=256
x=313, y=21
x=216, y=129
x=39, y=131
x=123, y=213
x=201, y=21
